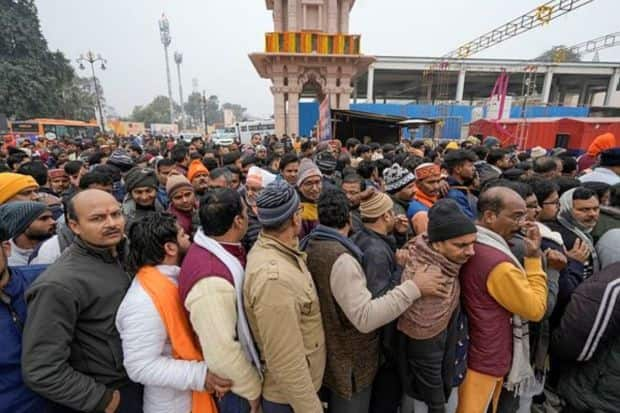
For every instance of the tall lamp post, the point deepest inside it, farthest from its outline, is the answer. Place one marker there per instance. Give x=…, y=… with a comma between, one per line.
x=164, y=33
x=178, y=59
x=90, y=58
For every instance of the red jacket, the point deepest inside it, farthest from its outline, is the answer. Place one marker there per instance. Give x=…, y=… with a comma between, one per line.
x=184, y=219
x=200, y=263
x=490, y=329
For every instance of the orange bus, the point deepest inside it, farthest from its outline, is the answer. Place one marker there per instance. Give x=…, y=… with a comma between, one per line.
x=60, y=127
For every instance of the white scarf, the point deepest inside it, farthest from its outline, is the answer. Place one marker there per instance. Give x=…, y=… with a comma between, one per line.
x=568, y=221
x=236, y=269
x=521, y=377
x=547, y=233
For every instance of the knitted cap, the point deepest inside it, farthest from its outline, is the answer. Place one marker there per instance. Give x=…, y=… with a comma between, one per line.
x=375, y=205
x=277, y=203
x=446, y=221
x=121, y=159
x=307, y=168
x=16, y=217
x=12, y=184
x=196, y=167
x=396, y=178
x=177, y=182
x=326, y=162
x=426, y=170
x=140, y=177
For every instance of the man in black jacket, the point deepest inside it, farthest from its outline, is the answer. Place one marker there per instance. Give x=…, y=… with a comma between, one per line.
x=382, y=265
x=579, y=213
x=588, y=342
x=351, y=316
x=72, y=352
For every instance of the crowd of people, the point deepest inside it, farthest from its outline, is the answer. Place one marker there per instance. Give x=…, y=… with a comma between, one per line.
x=288, y=275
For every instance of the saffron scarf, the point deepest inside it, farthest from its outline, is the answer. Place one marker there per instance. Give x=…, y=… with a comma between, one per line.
x=426, y=200
x=165, y=296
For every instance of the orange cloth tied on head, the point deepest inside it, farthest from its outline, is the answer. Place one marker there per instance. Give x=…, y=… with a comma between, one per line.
x=601, y=143
x=426, y=170
x=195, y=168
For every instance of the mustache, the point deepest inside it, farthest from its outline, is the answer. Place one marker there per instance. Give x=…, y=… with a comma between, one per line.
x=111, y=231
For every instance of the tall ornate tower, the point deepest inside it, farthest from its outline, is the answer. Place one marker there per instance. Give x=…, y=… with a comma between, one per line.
x=310, y=52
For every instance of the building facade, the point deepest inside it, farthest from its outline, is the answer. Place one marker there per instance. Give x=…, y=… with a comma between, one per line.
x=309, y=53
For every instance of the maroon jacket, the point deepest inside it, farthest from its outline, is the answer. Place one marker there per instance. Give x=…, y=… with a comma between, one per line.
x=200, y=263
x=184, y=219
x=490, y=329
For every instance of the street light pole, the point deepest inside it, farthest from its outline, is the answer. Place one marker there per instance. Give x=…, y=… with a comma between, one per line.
x=164, y=33
x=92, y=59
x=178, y=59
x=204, y=111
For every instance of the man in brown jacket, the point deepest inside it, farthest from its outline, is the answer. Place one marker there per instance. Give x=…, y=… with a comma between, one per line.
x=283, y=307
x=352, y=317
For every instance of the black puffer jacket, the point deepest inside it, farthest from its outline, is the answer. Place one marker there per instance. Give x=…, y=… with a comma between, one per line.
x=571, y=276
x=430, y=368
x=379, y=263
x=588, y=343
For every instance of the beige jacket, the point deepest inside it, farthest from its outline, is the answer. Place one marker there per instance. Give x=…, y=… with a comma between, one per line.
x=283, y=311
x=212, y=304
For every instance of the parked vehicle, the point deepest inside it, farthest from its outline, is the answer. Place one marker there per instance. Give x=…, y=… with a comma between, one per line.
x=245, y=130
x=225, y=136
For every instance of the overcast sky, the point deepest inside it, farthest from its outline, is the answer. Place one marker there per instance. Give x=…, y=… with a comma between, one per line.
x=215, y=37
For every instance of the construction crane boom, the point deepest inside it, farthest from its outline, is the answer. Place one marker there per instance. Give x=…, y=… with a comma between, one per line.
x=560, y=53
x=539, y=16
x=594, y=45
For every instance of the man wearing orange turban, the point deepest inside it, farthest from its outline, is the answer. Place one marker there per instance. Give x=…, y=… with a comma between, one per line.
x=428, y=182
x=598, y=145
